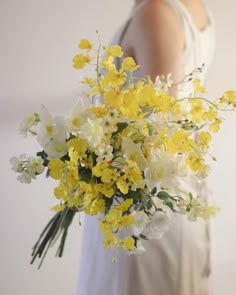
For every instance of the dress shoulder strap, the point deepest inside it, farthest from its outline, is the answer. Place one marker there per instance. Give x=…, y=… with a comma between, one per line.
x=183, y=14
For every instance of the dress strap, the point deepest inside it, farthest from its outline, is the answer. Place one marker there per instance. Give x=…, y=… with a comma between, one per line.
x=183, y=14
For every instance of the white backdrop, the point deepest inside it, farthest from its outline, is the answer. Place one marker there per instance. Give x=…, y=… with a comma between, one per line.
x=37, y=42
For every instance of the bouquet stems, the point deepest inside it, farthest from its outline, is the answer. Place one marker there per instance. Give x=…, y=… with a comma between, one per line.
x=56, y=228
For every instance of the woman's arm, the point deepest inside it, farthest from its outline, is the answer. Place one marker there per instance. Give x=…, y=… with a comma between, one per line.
x=158, y=40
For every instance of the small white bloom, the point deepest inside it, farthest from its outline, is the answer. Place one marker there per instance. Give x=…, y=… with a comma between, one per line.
x=92, y=131
x=140, y=222
x=104, y=152
x=36, y=165
x=163, y=83
x=158, y=225
x=27, y=167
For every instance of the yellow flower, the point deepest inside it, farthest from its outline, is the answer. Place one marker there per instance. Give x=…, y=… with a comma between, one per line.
x=95, y=207
x=204, y=140
x=105, y=228
x=58, y=208
x=198, y=87
x=113, y=98
x=196, y=162
x=80, y=60
x=122, y=185
x=179, y=142
x=106, y=190
x=128, y=244
x=129, y=64
x=88, y=81
x=97, y=170
x=165, y=103
x=108, y=62
x=60, y=191
x=73, y=156
x=215, y=126
x=79, y=145
x=133, y=173
x=197, y=110
x=115, y=78
x=114, y=51
x=110, y=242
x=85, y=44
x=210, y=115
x=229, y=97
x=56, y=167
x=99, y=111
x=126, y=221
x=124, y=206
x=114, y=217
x=108, y=175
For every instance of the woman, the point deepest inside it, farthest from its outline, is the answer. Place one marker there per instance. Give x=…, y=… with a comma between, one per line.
x=163, y=36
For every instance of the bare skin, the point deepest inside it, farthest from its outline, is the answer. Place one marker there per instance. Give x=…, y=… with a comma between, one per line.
x=155, y=37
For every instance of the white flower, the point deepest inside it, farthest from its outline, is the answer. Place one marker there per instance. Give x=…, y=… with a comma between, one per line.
x=27, y=167
x=50, y=128
x=132, y=151
x=79, y=115
x=140, y=222
x=29, y=124
x=56, y=149
x=158, y=225
x=162, y=172
x=104, y=152
x=163, y=83
x=92, y=131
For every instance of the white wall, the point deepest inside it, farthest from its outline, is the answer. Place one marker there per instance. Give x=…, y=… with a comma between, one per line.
x=37, y=41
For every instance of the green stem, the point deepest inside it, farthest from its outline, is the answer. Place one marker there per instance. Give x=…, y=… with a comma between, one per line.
x=208, y=101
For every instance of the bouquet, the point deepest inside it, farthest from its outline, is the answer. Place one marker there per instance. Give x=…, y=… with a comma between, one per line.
x=129, y=153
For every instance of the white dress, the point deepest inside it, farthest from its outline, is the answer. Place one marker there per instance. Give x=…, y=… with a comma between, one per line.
x=178, y=263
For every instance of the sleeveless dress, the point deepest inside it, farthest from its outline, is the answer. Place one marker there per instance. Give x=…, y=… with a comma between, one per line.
x=178, y=263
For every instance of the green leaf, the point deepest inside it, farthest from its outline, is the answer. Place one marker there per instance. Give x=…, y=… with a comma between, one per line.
x=121, y=127
x=143, y=237
x=163, y=195
x=44, y=157
x=170, y=205
x=108, y=204
x=135, y=195
x=85, y=174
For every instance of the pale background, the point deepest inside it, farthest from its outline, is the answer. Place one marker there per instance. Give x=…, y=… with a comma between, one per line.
x=37, y=41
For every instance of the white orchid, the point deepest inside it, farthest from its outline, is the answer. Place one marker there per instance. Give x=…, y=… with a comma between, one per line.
x=92, y=131
x=132, y=151
x=27, y=167
x=56, y=149
x=79, y=115
x=162, y=172
x=51, y=128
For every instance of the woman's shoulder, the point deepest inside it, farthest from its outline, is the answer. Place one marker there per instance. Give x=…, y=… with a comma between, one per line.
x=158, y=13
